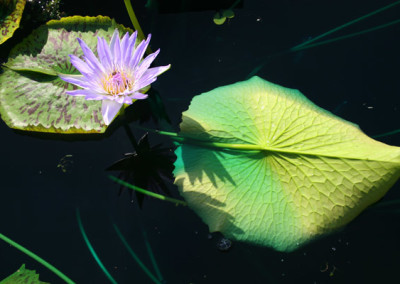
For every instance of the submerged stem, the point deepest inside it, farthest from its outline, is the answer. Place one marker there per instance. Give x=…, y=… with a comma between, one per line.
x=38, y=259
x=135, y=257
x=91, y=249
x=151, y=255
x=346, y=36
x=307, y=44
x=386, y=133
x=146, y=192
x=297, y=47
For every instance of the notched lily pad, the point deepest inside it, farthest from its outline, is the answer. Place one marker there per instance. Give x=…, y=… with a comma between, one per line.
x=10, y=16
x=23, y=276
x=283, y=171
x=33, y=97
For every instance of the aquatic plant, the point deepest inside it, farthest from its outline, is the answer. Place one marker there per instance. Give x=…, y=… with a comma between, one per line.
x=256, y=161
x=271, y=168
x=10, y=17
x=35, y=65
x=120, y=76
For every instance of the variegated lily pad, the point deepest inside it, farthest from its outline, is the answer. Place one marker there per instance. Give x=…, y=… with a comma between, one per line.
x=23, y=276
x=32, y=96
x=10, y=16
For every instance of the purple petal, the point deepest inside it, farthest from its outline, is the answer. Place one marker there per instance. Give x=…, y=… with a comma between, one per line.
x=150, y=76
x=139, y=52
x=130, y=48
x=124, y=47
x=138, y=96
x=115, y=47
x=80, y=65
x=104, y=53
x=78, y=80
x=109, y=109
x=124, y=100
x=145, y=64
x=88, y=81
x=89, y=94
x=91, y=59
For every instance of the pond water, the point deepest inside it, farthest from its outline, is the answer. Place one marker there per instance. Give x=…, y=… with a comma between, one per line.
x=44, y=179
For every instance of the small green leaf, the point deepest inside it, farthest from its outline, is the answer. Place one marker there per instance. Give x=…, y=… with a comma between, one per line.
x=32, y=96
x=228, y=13
x=23, y=276
x=263, y=164
x=219, y=19
x=10, y=17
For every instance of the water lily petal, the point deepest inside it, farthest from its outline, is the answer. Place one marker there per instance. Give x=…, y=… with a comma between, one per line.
x=90, y=58
x=130, y=48
x=104, y=53
x=80, y=65
x=88, y=81
x=89, y=94
x=138, y=96
x=78, y=80
x=115, y=47
x=124, y=47
x=109, y=110
x=138, y=54
x=150, y=76
x=145, y=64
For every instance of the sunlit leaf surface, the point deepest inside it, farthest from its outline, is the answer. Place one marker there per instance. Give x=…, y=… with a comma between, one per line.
x=10, y=17
x=288, y=171
x=23, y=276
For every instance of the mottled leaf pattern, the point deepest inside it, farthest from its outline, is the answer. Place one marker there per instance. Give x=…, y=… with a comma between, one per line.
x=32, y=96
x=23, y=276
x=10, y=18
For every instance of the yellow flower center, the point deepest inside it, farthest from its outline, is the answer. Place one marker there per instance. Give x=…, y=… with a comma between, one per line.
x=116, y=83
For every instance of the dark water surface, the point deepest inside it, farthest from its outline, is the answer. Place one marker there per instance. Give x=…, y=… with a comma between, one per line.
x=358, y=78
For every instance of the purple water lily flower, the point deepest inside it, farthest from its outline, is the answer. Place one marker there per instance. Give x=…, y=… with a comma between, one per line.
x=118, y=77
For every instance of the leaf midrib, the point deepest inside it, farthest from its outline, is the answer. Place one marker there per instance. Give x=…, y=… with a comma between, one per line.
x=252, y=147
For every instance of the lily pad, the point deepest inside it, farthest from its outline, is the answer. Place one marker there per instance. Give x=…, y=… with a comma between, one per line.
x=23, y=276
x=220, y=17
x=10, y=17
x=261, y=163
x=33, y=97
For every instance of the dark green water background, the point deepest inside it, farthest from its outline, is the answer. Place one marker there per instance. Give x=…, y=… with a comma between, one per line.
x=357, y=78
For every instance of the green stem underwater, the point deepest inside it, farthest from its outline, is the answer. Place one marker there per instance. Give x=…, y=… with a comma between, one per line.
x=297, y=47
x=146, y=192
x=135, y=257
x=38, y=259
x=91, y=249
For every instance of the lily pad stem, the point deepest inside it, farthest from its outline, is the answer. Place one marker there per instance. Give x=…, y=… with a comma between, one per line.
x=135, y=22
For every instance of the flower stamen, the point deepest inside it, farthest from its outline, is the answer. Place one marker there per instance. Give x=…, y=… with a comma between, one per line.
x=118, y=76
x=116, y=83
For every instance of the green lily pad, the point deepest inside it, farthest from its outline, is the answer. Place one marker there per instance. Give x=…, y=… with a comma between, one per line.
x=220, y=17
x=10, y=17
x=23, y=276
x=33, y=97
x=261, y=163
